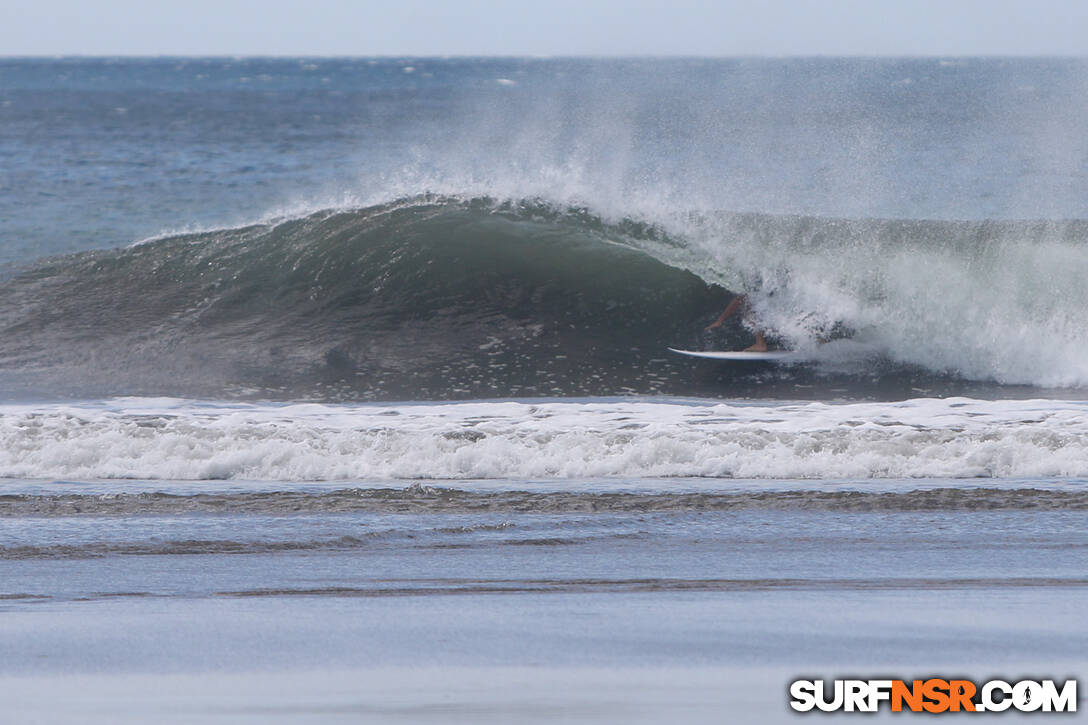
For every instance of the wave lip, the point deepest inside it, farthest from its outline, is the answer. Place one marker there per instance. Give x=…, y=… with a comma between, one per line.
x=440, y=297
x=424, y=298
x=179, y=440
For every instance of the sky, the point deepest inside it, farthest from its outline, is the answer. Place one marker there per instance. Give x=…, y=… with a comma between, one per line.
x=550, y=27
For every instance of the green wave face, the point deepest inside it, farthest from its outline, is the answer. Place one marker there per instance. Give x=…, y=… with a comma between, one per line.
x=425, y=298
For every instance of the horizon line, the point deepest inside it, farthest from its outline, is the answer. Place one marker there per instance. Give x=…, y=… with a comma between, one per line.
x=539, y=56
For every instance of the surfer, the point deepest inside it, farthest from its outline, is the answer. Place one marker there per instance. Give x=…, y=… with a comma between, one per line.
x=740, y=302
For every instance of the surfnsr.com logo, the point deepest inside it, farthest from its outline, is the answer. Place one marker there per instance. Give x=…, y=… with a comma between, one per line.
x=933, y=695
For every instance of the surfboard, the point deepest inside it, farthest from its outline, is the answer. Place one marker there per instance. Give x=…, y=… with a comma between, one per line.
x=770, y=356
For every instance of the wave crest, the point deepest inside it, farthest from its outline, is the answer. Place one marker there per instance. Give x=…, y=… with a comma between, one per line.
x=426, y=297
x=437, y=297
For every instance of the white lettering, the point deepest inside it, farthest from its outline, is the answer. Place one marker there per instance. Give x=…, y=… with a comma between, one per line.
x=856, y=695
x=1027, y=696
x=989, y=704
x=835, y=703
x=1064, y=701
x=803, y=693
x=879, y=690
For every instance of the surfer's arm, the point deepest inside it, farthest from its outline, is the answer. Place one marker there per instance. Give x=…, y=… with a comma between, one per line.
x=728, y=312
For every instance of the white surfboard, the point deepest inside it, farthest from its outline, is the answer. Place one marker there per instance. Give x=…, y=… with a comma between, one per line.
x=770, y=356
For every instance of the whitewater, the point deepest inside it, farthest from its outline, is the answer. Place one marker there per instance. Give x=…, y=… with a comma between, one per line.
x=149, y=439
x=341, y=387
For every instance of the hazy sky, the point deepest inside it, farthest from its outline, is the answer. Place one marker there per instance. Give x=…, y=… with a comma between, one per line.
x=544, y=27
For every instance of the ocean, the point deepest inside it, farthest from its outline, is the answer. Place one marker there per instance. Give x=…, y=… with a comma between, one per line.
x=339, y=390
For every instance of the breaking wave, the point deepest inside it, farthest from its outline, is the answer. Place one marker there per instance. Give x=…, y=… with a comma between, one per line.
x=447, y=298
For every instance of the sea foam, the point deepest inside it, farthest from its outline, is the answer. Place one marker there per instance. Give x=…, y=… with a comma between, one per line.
x=603, y=438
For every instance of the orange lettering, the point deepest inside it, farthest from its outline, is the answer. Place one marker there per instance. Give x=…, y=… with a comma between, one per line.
x=936, y=691
x=911, y=695
x=961, y=692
